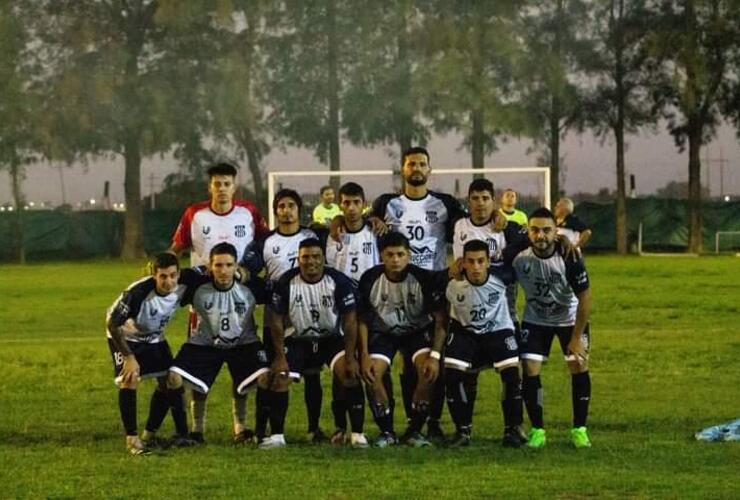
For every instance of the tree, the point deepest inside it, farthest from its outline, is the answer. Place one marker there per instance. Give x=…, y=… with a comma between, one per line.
x=693, y=41
x=620, y=102
x=468, y=72
x=556, y=47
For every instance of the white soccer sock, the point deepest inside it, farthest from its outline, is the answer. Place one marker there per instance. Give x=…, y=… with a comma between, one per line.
x=198, y=411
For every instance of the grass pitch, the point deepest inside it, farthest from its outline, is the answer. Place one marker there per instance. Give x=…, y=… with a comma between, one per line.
x=666, y=344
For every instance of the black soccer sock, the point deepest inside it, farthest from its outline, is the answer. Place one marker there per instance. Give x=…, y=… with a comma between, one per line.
x=457, y=400
x=313, y=396
x=408, y=384
x=262, y=411
x=383, y=416
x=438, y=398
x=356, y=407
x=339, y=405
x=470, y=383
x=127, y=405
x=176, y=400
x=157, y=410
x=388, y=386
x=420, y=412
x=533, y=400
x=511, y=402
x=278, y=410
x=581, y=393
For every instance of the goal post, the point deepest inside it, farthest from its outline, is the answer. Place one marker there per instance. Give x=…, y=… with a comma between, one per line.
x=734, y=237
x=386, y=177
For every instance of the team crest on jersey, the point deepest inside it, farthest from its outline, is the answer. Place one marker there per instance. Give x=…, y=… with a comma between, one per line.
x=240, y=307
x=492, y=245
x=275, y=250
x=240, y=231
x=460, y=298
x=526, y=268
x=510, y=343
x=206, y=229
x=208, y=306
x=262, y=356
x=432, y=217
x=153, y=312
x=463, y=236
x=398, y=212
x=327, y=301
x=299, y=300
x=367, y=248
x=384, y=297
x=493, y=298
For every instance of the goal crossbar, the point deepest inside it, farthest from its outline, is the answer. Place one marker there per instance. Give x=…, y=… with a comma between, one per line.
x=272, y=176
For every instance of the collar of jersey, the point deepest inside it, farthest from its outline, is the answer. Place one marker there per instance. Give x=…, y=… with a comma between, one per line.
x=417, y=199
x=355, y=232
x=233, y=206
x=233, y=282
x=488, y=221
x=488, y=275
x=300, y=228
x=554, y=251
x=404, y=273
x=313, y=282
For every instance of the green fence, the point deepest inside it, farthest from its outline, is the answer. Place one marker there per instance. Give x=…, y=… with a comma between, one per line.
x=73, y=235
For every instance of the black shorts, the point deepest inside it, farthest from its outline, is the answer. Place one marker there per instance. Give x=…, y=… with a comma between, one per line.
x=385, y=346
x=535, y=341
x=309, y=355
x=469, y=352
x=199, y=365
x=154, y=359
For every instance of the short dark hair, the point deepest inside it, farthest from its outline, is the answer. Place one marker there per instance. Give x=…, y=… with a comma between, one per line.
x=287, y=193
x=475, y=246
x=393, y=239
x=311, y=243
x=416, y=150
x=324, y=188
x=481, y=185
x=542, y=213
x=164, y=260
x=222, y=168
x=223, y=248
x=351, y=189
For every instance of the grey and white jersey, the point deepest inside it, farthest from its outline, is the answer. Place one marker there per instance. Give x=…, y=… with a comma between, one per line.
x=225, y=318
x=572, y=227
x=314, y=310
x=550, y=286
x=479, y=309
x=400, y=307
x=149, y=311
x=427, y=222
x=355, y=254
x=276, y=252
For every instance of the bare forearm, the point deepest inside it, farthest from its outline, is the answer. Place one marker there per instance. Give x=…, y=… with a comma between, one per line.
x=363, y=337
x=584, y=237
x=277, y=334
x=440, y=331
x=583, y=312
x=119, y=339
x=350, y=332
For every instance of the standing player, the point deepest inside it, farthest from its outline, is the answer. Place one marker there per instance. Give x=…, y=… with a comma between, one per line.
x=225, y=331
x=570, y=226
x=135, y=331
x=402, y=309
x=277, y=253
x=204, y=225
x=558, y=305
x=319, y=303
x=508, y=208
x=481, y=334
x=325, y=211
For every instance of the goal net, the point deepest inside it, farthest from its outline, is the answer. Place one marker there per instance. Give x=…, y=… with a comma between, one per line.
x=727, y=241
x=532, y=184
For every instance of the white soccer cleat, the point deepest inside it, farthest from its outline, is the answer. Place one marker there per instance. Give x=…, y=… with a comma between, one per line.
x=272, y=442
x=358, y=440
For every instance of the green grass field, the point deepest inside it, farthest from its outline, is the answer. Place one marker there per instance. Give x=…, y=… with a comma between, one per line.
x=666, y=345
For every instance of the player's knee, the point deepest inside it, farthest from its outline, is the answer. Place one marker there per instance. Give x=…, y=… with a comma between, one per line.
x=280, y=384
x=574, y=367
x=532, y=368
x=263, y=381
x=174, y=381
x=510, y=375
x=132, y=384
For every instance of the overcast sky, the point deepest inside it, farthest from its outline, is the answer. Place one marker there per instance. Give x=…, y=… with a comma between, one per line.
x=653, y=158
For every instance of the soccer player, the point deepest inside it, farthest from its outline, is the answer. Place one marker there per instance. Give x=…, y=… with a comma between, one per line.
x=325, y=211
x=135, y=331
x=402, y=309
x=203, y=225
x=319, y=303
x=508, y=207
x=277, y=253
x=225, y=332
x=558, y=305
x=577, y=232
x=481, y=333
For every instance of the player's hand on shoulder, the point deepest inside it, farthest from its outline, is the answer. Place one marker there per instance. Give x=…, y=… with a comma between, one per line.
x=378, y=226
x=567, y=249
x=498, y=221
x=336, y=228
x=455, y=270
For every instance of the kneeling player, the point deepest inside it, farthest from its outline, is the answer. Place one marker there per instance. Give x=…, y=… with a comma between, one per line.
x=558, y=304
x=482, y=333
x=225, y=332
x=315, y=300
x=402, y=309
x=136, y=340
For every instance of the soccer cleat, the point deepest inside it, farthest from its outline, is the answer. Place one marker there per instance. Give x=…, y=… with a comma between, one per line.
x=136, y=447
x=318, y=436
x=358, y=441
x=461, y=438
x=536, y=438
x=385, y=440
x=197, y=437
x=434, y=431
x=273, y=442
x=182, y=442
x=579, y=437
x=415, y=439
x=514, y=437
x=245, y=436
x=339, y=437
x=156, y=442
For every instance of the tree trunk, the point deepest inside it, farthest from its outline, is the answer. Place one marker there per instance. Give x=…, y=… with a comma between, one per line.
x=403, y=119
x=695, y=218
x=554, y=147
x=333, y=88
x=621, y=202
x=477, y=139
x=16, y=177
x=253, y=163
x=133, y=241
